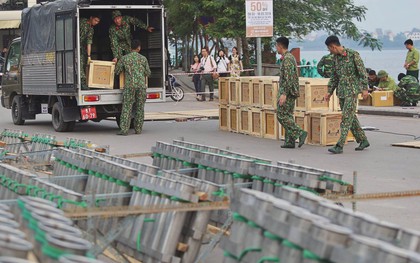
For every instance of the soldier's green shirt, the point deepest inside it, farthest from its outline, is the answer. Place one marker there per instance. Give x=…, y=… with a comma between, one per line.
x=410, y=84
x=120, y=36
x=136, y=69
x=388, y=84
x=412, y=56
x=349, y=75
x=289, y=79
x=86, y=34
x=324, y=66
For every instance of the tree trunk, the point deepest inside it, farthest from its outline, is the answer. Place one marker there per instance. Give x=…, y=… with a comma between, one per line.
x=245, y=54
x=176, y=53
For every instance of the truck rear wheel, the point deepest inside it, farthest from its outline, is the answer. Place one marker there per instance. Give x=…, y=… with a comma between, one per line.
x=58, y=121
x=17, y=110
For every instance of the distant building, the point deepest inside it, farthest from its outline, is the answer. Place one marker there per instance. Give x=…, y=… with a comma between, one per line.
x=10, y=16
x=414, y=35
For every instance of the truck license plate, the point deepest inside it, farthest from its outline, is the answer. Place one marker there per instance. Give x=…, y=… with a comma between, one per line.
x=88, y=113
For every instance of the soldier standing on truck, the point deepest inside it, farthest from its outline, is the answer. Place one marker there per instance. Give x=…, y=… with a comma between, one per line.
x=86, y=36
x=120, y=33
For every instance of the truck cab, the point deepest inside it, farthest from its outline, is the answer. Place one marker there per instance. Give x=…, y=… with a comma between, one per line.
x=42, y=69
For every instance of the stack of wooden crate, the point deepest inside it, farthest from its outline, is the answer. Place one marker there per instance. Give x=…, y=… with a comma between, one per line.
x=248, y=105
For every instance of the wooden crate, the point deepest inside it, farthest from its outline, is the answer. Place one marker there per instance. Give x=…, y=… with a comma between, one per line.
x=350, y=137
x=245, y=88
x=224, y=90
x=301, y=119
x=270, y=125
x=244, y=120
x=256, y=116
x=223, y=118
x=101, y=74
x=233, y=118
x=334, y=102
x=312, y=92
x=324, y=128
x=233, y=91
x=269, y=89
x=256, y=93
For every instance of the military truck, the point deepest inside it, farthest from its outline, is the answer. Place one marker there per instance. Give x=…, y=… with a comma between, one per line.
x=41, y=73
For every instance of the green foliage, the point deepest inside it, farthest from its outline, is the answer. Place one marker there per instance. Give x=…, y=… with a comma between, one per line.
x=294, y=18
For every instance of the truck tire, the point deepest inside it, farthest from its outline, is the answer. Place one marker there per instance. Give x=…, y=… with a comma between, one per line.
x=57, y=119
x=17, y=110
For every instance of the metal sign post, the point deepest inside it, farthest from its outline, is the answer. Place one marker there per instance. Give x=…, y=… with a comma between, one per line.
x=259, y=23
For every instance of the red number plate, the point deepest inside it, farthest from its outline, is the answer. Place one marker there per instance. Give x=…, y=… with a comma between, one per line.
x=88, y=113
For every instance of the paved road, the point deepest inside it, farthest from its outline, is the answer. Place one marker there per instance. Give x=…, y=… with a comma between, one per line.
x=380, y=168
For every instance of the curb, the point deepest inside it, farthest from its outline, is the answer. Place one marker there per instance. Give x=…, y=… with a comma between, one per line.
x=389, y=113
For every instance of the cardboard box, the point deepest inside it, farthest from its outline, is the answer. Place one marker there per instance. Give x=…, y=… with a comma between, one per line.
x=364, y=102
x=382, y=98
x=101, y=74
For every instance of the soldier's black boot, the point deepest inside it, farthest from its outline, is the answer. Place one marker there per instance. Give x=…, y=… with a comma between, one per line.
x=122, y=133
x=336, y=149
x=364, y=144
x=288, y=145
x=302, y=138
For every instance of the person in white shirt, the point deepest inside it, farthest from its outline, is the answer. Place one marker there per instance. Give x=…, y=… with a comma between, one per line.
x=208, y=67
x=222, y=64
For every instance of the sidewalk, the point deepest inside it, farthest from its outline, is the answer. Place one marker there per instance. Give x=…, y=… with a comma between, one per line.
x=397, y=111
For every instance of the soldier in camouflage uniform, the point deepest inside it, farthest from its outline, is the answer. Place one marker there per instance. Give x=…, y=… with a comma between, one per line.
x=120, y=33
x=136, y=68
x=349, y=79
x=408, y=91
x=286, y=97
x=324, y=66
x=86, y=37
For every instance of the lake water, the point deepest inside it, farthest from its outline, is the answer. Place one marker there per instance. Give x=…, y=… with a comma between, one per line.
x=392, y=61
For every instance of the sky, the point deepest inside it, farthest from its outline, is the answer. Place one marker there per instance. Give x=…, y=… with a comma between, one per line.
x=398, y=16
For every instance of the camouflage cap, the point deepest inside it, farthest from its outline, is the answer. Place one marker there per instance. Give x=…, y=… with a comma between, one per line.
x=116, y=13
x=382, y=74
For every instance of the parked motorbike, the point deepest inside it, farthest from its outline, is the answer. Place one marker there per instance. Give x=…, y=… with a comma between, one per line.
x=175, y=89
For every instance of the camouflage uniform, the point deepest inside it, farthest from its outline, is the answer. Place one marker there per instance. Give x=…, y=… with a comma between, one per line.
x=136, y=68
x=348, y=78
x=409, y=89
x=86, y=36
x=324, y=66
x=289, y=86
x=120, y=36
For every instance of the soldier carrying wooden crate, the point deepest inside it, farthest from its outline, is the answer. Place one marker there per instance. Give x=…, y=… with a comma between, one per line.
x=287, y=95
x=349, y=78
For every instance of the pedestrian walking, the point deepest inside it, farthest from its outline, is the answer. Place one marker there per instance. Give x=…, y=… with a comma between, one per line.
x=208, y=67
x=235, y=63
x=120, y=33
x=136, y=69
x=287, y=95
x=86, y=39
x=412, y=59
x=196, y=78
x=349, y=79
